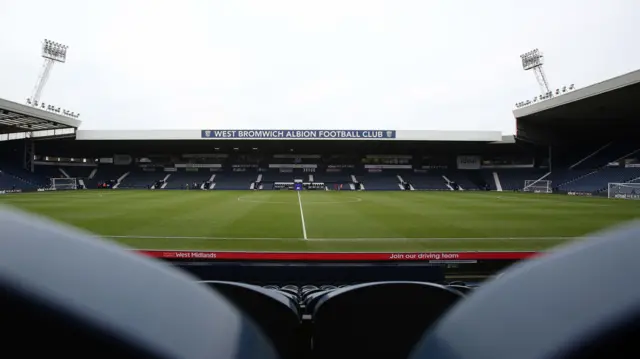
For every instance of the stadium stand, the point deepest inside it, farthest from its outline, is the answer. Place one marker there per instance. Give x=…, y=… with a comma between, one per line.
x=48, y=172
x=25, y=180
x=230, y=180
x=379, y=181
x=9, y=182
x=276, y=176
x=614, y=151
x=463, y=179
x=180, y=179
x=431, y=180
x=553, y=140
x=83, y=172
x=342, y=177
x=597, y=181
x=142, y=179
x=104, y=174
x=513, y=179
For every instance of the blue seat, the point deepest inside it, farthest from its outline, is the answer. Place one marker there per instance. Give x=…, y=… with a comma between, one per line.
x=582, y=301
x=275, y=313
x=461, y=288
x=377, y=320
x=63, y=293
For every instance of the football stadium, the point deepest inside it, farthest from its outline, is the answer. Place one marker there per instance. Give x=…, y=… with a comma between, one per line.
x=322, y=242
x=297, y=228
x=570, y=170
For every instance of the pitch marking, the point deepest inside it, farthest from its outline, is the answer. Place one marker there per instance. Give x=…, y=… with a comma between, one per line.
x=304, y=227
x=339, y=239
x=352, y=200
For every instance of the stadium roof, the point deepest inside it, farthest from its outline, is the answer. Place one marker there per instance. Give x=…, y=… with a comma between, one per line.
x=384, y=135
x=613, y=100
x=22, y=121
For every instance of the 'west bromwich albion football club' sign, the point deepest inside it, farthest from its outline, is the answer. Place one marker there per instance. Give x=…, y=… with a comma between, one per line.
x=300, y=134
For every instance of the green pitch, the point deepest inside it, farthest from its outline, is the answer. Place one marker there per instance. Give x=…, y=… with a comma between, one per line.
x=329, y=221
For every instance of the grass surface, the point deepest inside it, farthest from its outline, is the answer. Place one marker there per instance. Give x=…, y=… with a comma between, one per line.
x=334, y=221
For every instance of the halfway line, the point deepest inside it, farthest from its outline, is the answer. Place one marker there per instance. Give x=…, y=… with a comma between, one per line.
x=304, y=228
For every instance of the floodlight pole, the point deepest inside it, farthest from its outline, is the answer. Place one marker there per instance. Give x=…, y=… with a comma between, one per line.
x=52, y=52
x=533, y=60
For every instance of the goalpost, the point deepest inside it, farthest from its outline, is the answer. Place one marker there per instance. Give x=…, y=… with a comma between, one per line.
x=537, y=186
x=624, y=190
x=64, y=183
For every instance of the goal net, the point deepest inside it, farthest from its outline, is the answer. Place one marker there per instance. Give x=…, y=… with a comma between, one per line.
x=624, y=190
x=537, y=186
x=64, y=183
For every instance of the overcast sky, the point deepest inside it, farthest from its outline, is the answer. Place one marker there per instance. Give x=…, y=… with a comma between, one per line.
x=331, y=64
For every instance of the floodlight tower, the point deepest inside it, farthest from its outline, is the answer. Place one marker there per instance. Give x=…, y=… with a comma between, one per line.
x=533, y=60
x=52, y=52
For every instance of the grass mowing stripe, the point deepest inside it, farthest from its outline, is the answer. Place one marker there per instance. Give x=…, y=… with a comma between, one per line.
x=333, y=220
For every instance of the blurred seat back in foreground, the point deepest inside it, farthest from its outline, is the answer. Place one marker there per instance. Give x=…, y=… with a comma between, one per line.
x=64, y=293
x=275, y=313
x=377, y=320
x=581, y=301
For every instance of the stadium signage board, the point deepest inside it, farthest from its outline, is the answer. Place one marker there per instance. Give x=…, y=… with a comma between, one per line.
x=388, y=167
x=433, y=167
x=334, y=256
x=11, y=191
x=468, y=162
x=627, y=196
x=198, y=165
x=293, y=165
x=584, y=194
x=300, y=134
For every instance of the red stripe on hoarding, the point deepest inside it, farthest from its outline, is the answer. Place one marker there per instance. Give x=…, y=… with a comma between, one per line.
x=328, y=256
